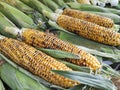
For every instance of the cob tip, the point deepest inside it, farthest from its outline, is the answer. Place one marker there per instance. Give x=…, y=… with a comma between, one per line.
x=52, y=16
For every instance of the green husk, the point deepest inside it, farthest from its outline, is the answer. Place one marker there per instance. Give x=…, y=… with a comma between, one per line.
x=102, y=54
x=106, y=69
x=96, y=81
x=115, y=11
x=1, y=85
x=49, y=3
x=59, y=54
x=35, y=15
x=68, y=0
x=86, y=7
x=16, y=16
x=19, y=5
x=76, y=67
x=17, y=80
x=36, y=5
x=61, y=3
x=5, y=22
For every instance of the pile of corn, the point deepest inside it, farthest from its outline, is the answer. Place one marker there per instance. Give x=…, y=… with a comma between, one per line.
x=24, y=26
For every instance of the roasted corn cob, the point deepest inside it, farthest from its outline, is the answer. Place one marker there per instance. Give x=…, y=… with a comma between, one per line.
x=35, y=61
x=97, y=19
x=44, y=40
x=86, y=29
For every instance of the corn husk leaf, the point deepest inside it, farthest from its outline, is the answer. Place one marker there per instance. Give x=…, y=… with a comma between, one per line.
x=96, y=81
x=1, y=85
x=16, y=16
x=106, y=69
x=86, y=7
x=19, y=5
x=102, y=54
x=59, y=54
x=5, y=22
x=49, y=3
x=61, y=3
x=36, y=5
x=76, y=67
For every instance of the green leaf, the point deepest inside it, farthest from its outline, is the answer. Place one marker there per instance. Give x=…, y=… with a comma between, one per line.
x=59, y=53
x=102, y=54
x=1, y=85
x=109, y=71
x=96, y=81
x=76, y=67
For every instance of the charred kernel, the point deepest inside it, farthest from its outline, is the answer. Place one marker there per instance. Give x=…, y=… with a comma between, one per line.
x=89, y=30
x=54, y=43
x=35, y=61
x=97, y=19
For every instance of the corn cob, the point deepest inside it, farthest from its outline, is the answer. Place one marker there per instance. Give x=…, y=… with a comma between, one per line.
x=43, y=40
x=97, y=19
x=86, y=29
x=35, y=61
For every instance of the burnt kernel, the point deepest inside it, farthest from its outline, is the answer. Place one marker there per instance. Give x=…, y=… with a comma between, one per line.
x=89, y=30
x=35, y=61
x=53, y=42
x=97, y=19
